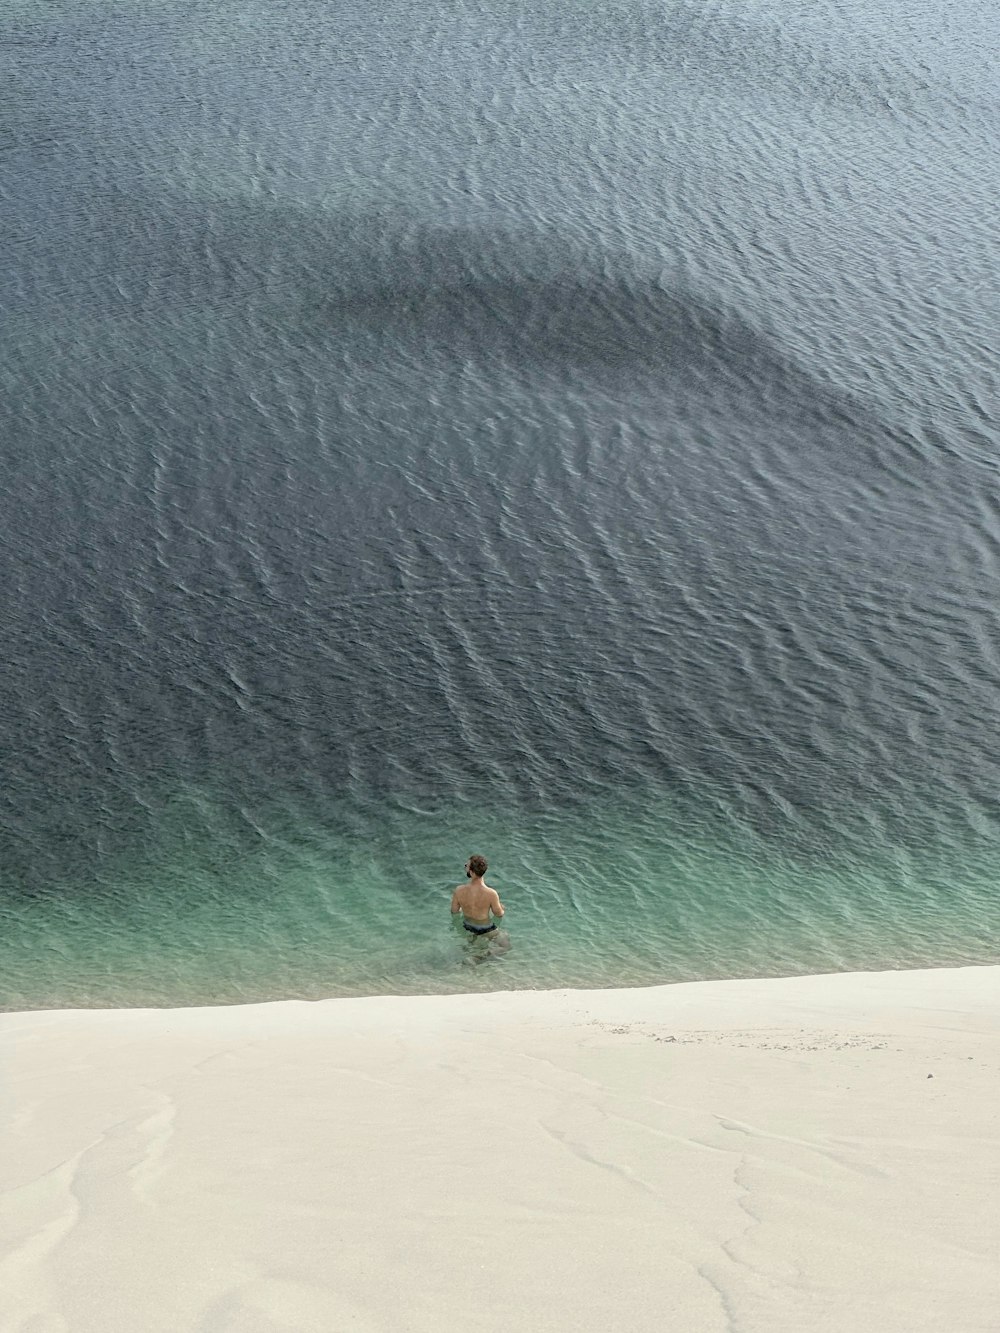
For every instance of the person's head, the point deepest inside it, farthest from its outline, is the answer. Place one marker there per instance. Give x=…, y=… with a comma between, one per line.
x=475, y=867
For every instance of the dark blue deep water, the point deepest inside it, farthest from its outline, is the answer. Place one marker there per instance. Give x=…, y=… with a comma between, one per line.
x=556, y=430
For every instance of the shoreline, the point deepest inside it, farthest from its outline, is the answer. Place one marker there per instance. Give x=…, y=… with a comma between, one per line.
x=417, y=996
x=772, y=1154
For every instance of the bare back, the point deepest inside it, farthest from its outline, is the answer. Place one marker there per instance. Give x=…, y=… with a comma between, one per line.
x=476, y=901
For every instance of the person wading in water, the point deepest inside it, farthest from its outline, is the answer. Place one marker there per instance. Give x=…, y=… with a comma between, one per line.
x=480, y=905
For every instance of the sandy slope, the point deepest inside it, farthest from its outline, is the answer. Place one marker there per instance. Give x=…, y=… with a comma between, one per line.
x=816, y=1153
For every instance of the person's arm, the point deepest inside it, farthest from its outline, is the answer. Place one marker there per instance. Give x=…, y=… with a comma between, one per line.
x=455, y=905
x=496, y=906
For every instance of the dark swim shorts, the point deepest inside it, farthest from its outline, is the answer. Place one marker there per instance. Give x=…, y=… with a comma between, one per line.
x=479, y=930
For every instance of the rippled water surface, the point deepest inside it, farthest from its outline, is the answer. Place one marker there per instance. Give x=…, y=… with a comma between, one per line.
x=554, y=430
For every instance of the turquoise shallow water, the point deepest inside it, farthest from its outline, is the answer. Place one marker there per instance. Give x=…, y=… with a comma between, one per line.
x=559, y=433
x=646, y=893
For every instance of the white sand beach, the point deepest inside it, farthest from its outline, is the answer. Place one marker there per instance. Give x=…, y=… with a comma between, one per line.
x=818, y=1153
